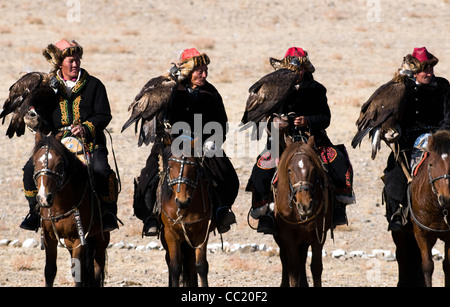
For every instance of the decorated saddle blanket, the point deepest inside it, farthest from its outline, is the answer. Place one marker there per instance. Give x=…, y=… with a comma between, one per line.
x=75, y=146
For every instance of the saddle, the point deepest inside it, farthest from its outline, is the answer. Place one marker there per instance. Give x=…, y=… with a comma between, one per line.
x=75, y=146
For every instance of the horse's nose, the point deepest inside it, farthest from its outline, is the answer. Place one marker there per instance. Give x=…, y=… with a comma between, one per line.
x=183, y=204
x=45, y=200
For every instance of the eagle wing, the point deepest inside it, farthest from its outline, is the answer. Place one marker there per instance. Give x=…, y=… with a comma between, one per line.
x=149, y=103
x=31, y=90
x=267, y=95
x=380, y=114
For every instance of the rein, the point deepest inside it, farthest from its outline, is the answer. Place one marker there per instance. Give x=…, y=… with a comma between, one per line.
x=59, y=179
x=307, y=186
x=187, y=181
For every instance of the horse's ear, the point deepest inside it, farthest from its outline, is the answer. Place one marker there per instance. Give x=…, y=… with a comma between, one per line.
x=311, y=142
x=287, y=140
x=59, y=136
x=38, y=136
x=430, y=145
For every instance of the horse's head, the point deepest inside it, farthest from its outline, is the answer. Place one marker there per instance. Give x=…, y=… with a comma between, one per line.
x=183, y=172
x=439, y=166
x=49, y=168
x=301, y=166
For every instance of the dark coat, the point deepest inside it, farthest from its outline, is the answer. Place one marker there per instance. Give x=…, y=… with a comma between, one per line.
x=205, y=101
x=310, y=100
x=425, y=111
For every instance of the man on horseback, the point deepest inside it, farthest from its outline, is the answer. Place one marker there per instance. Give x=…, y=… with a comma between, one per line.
x=79, y=108
x=307, y=108
x=196, y=103
x=426, y=110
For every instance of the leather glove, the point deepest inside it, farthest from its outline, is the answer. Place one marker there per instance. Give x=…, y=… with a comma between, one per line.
x=392, y=135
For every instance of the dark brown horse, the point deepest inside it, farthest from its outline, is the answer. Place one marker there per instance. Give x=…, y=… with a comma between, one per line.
x=303, y=207
x=186, y=215
x=430, y=203
x=69, y=211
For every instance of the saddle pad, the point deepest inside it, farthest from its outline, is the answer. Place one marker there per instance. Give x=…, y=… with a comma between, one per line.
x=76, y=147
x=266, y=161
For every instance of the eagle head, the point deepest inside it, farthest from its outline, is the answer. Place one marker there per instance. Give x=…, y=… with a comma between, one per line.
x=174, y=72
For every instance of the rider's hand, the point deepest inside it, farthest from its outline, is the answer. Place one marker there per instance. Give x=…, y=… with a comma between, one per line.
x=301, y=121
x=78, y=131
x=393, y=134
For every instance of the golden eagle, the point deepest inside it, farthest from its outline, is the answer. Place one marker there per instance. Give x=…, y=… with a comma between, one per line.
x=32, y=90
x=380, y=114
x=151, y=103
x=268, y=94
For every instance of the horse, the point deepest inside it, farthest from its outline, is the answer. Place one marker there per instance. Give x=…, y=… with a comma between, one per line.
x=430, y=203
x=303, y=212
x=69, y=211
x=186, y=218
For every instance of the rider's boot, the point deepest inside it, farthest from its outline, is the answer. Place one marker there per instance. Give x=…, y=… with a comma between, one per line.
x=32, y=220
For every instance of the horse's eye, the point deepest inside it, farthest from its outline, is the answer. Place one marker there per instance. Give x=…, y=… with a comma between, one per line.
x=60, y=168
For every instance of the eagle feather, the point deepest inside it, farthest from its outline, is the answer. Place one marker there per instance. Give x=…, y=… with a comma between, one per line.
x=380, y=114
x=151, y=103
x=267, y=96
x=33, y=89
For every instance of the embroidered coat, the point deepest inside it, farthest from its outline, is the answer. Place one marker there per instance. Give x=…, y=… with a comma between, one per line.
x=87, y=104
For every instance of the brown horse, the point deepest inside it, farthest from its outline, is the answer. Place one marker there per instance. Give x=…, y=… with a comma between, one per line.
x=303, y=207
x=68, y=211
x=186, y=215
x=430, y=203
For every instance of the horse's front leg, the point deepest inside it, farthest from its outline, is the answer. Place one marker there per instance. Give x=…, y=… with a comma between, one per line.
x=317, y=264
x=201, y=265
x=51, y=253
x=302, y=257
x=77, y=254
x=446, y=264
x=100, y=258
x=173, y=260
x=425, y=246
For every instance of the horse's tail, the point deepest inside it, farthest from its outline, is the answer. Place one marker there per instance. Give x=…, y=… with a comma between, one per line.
x=188, y=271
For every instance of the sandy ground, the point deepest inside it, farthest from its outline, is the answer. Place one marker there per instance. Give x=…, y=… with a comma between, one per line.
x=354, y=45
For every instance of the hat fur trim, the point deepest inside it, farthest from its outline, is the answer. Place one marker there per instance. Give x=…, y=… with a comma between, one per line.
x=287, y=63
x=416, y=66
x=188, y=65
x=56, y=56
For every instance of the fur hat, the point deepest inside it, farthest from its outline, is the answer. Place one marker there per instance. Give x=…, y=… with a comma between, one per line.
x=420, y=60
x=190, y=59
x=56, y=53
x=294, y=58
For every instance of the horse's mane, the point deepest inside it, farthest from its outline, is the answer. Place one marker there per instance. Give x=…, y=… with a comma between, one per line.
x=290, y=151
x=440, y=142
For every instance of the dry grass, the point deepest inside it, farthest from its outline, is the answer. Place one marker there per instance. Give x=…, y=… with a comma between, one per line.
x=22, y=263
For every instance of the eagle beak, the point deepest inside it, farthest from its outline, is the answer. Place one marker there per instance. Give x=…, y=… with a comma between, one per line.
x=295, y=61
x=175, y=71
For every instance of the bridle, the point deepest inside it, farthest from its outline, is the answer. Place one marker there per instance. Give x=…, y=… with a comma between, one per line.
x=180, y=179
x=54, y=175
x=184, y=180
x=433, y=180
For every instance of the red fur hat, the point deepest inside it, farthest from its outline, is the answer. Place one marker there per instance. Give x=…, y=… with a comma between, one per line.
x=189, y=59
x=420, y=60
